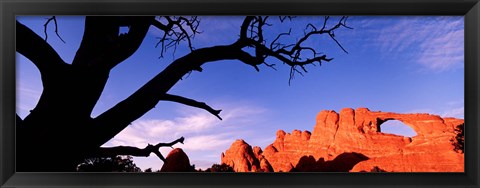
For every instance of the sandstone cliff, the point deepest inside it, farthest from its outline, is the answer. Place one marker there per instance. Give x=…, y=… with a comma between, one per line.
x=351, y=141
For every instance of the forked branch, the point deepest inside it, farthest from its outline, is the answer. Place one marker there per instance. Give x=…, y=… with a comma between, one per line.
x=56, y=28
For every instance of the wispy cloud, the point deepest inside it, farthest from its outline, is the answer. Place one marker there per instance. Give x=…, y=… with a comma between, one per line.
x=454, y=109
x=436, y=43
x=456, y=113
x=204, y=133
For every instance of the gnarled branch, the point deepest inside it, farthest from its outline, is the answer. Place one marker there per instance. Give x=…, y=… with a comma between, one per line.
x=176, y=30
x=296, y=55
x=134, y=151
x=144, y=99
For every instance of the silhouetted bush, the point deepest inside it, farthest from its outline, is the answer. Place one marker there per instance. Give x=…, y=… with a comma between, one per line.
x=108, y=164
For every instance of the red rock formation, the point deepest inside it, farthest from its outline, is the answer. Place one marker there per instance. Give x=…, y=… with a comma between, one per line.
x=241, y=157
x=177, y=161
x=354, y=135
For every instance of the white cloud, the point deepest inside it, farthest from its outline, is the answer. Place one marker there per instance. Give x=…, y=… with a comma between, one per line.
x=198, y=122
x=209, y=142
x=192, y=124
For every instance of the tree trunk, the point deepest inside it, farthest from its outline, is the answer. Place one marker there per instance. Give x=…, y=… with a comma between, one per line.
x=59, y=132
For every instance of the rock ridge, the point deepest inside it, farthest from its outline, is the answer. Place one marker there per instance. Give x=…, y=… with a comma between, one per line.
x=353, y=135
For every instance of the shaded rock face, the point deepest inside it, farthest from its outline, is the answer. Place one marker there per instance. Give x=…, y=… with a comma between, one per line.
x=176, y=161
x=351, y=141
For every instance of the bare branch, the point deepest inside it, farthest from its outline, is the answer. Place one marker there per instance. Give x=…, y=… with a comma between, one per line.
x=191, y=102
x=336, y=41
x=270, y=65
x=296, y=55
x=134, y=151
x=56, y=28
x=176, y=30
x=283, y=18
x=274, y=42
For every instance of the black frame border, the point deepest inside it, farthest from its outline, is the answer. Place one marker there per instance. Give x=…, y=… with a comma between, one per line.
x=10, y=8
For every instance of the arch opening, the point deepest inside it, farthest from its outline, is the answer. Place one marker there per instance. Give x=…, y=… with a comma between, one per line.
x=397, y=128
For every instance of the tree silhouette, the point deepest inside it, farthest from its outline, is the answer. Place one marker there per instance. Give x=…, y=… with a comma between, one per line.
x=459, y=141
x=72, y=89
x=220, y=168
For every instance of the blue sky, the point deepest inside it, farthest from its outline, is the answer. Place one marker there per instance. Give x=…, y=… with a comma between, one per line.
x=408, y=64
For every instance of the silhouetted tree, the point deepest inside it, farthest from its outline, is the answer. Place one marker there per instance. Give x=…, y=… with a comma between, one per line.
x=459, y=140
x=72, y=89
x=220, y=168
x=108, y=164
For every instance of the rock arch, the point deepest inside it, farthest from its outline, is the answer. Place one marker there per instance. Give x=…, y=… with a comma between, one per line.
x=396, y=127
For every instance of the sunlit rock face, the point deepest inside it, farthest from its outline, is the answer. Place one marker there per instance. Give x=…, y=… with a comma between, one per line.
x=351, y=141
x=241, y=157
